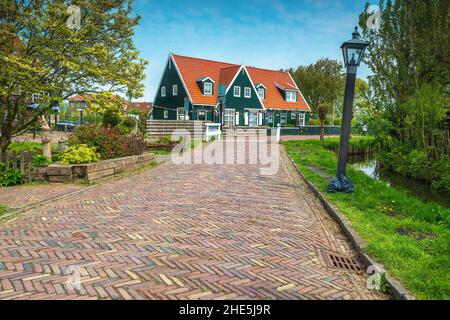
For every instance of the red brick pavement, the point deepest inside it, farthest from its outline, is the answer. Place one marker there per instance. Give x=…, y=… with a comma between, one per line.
x=181, y=232
x=26, y=195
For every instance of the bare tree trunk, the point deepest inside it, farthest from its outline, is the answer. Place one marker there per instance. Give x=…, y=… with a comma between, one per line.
x=4, y=142
x=46, y=138
x=322, y=130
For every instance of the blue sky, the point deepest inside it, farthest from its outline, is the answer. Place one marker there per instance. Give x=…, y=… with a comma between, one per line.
x=270, y=34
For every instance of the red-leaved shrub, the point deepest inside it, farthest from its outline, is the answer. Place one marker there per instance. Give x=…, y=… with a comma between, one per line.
x=110, y=143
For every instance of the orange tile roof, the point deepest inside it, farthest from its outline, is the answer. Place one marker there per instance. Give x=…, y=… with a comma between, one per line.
x=142, y=106
x=227, y=74
x=274, y=98
x=192, y=69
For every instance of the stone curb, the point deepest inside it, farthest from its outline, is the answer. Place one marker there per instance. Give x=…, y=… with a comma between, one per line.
x=399, y=292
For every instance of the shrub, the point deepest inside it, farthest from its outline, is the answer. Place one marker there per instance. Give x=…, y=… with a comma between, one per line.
x=112, y=117
x=165, y=140
x=56, y=157
x=124, y=129
x=135, y=145
x=314, y=122
x=11, y=177
x=109, y=142
x=79, y=154
x=39, y=160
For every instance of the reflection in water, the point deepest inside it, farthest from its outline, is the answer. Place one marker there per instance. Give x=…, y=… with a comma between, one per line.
x=372, y=168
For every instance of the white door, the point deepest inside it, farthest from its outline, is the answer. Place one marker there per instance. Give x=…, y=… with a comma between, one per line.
x=230, y=118
x=181, y=114
x=253, y=118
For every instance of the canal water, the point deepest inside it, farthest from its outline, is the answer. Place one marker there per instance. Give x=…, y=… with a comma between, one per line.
x=372, y=168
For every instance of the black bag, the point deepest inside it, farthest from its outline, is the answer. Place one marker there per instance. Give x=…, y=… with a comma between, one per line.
x=341, y=184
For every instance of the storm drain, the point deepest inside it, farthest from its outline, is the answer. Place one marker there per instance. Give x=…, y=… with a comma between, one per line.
x=337, y=261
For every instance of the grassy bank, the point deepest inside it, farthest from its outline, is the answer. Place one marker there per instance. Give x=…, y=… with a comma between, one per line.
x=29, y=146
x=3, y=209
x=410, y=237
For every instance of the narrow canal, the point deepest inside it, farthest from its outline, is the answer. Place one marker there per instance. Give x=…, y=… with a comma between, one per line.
x=372, y=168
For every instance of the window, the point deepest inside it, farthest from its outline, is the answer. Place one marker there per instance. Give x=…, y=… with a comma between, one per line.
x=283, y=119
x=175, y=90
x=202, y=115
x=247, y=92
x=163, y=91
x=181, y=114
x=208, y=88
x=237, y=91
x=166, y=114
x=301, y=119
x=293, y=116
x=291, y=96
x=261, y=93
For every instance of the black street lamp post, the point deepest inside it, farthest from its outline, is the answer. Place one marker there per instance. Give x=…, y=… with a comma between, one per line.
x=353, y=51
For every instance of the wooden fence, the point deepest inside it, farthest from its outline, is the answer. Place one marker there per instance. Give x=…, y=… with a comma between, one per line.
x=22, y=162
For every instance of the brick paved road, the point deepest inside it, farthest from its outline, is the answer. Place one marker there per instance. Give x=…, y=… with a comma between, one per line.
x=23, y=196
x=180, y=232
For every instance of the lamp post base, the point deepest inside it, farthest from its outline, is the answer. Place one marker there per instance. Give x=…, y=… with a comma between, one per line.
x=341, y=184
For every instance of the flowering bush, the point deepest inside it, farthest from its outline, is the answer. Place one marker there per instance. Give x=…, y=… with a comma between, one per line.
x=109, y=142
x=79, y=154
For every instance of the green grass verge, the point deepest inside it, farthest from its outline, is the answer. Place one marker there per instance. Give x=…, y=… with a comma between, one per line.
x=3, y=209
x=25, y=146
x=419, y=257
x=161, y=152
x=29, y=146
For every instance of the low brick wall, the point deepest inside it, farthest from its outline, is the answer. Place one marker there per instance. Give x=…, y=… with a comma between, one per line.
x=93, y=171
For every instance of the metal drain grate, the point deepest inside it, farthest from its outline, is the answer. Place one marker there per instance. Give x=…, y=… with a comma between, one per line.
x=334, y=260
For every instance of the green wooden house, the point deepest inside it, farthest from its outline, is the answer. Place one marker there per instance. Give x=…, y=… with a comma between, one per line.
x=255, y=97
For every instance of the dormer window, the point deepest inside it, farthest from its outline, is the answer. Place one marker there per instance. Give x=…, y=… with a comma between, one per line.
x=207, y=88
x=206, y=85
x=262, y=93
x=261, y=90
x=291, y=96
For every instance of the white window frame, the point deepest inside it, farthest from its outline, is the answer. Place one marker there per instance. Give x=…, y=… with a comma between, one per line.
x=249, y=91
x=175, y=90
x=207, y=85
x=166, y=114
x=290, y=95
x=301, y=119
x=237, y=95
x=203, y=114
x=262, y=93
x=163, y=91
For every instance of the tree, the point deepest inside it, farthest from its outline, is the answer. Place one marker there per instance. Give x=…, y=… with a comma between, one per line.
x=409, y=50
x=323, y=110
x=321, y=83
x=42, y=60
x=409, y=55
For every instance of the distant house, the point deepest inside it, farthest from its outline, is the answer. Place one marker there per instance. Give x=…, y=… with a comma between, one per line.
x=141, y=106
x=78, y=105
x=254, y=97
